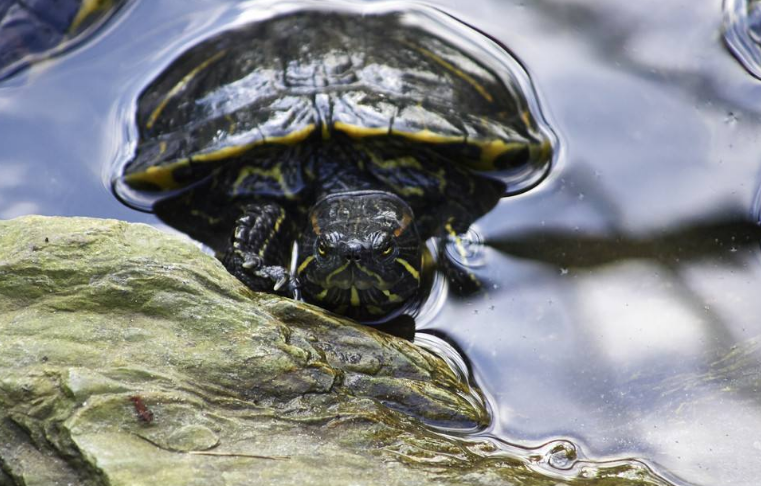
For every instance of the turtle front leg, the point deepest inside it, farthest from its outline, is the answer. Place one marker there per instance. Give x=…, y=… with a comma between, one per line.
x=460, y=277
x=260, y=249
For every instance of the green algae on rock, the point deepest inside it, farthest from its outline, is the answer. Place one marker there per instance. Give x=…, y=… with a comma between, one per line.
x=129, y=357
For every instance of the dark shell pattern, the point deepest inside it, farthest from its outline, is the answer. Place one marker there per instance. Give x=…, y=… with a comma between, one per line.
x=319, y=74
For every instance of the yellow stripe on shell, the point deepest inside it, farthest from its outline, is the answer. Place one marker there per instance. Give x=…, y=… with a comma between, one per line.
x=356, y=131
x=425, y=135
x=180, y=85
x=428, y=136
x=493, y=149
x=408, y=267
x=237, y=150
x=542, y=151
x=162, y=176
x=321, y=295
x=454, y=70
x=490, y=149
x=86, y=9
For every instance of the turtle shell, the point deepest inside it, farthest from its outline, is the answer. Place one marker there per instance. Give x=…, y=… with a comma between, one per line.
x=314, y=73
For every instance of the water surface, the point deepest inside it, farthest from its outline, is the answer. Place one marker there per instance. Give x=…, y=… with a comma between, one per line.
x=622, y=305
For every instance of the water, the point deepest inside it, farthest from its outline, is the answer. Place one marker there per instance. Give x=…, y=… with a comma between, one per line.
x=621, y=311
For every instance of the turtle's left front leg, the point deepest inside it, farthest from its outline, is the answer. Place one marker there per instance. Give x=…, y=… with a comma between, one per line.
x=260, y=249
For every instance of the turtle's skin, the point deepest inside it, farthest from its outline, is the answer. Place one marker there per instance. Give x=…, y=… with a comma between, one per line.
x=357, y=137
x=33, y=29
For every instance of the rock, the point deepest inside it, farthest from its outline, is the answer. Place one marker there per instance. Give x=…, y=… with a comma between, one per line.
x=129, y=357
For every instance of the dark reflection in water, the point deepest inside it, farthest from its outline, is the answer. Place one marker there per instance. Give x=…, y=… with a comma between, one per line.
x=621, y=316
x=719, y=238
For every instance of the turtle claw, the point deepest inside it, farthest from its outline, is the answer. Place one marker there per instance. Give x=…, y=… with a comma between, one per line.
x=251, y=262
x=289, y=284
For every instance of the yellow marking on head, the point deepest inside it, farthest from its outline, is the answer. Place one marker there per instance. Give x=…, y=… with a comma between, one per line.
x=159, y=176
x=304, y=264
x=370, y=273
x=409, y=268
x=179, y=87
x=325, y=131
x=454, y=70
x=336, y=272
x=88, y=8
x=356, y=131
x=354, y=297
x=273, y=173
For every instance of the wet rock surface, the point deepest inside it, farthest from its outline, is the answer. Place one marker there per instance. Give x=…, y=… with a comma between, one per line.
x=129, y=357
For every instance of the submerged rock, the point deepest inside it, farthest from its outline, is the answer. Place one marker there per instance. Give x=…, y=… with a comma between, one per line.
x=129, y=357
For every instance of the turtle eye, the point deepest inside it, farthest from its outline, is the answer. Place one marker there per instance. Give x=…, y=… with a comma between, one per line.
x=386, y=249
x=322, y=249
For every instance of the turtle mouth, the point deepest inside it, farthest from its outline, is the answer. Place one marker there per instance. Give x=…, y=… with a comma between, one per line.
x=355, y=275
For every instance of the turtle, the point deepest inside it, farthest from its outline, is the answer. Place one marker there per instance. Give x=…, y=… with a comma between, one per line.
x=34, y=29
x=317, y=151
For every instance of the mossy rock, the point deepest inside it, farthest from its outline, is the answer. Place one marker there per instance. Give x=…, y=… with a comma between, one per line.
x=129, y=357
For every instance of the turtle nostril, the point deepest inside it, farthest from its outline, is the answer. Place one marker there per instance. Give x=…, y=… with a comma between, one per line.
x=352, y=252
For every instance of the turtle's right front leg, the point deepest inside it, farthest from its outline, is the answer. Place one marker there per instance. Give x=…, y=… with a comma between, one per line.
x=260, y=249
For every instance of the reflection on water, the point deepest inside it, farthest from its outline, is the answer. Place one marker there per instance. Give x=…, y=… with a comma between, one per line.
x=742, y=32
x=32, y=31
x=620, y=319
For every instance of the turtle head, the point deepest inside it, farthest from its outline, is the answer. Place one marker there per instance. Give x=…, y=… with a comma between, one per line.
x=360, y=254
